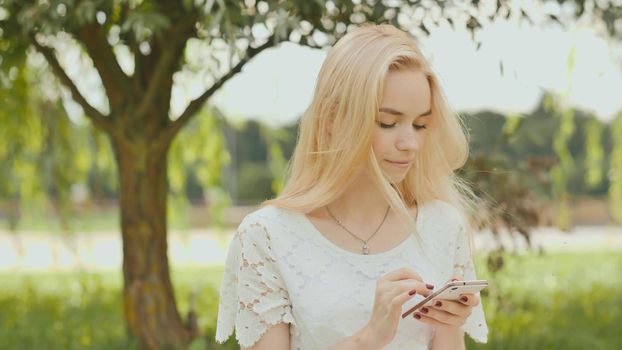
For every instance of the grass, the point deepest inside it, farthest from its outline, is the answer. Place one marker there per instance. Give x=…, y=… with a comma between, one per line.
x=84, y=310
x=557, y=301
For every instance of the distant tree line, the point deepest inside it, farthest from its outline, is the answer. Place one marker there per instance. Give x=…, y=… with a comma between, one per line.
x=490, y=137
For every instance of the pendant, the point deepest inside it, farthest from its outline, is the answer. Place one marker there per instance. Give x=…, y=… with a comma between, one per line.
x=365, y=249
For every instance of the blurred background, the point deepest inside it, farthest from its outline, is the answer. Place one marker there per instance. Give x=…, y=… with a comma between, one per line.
x=135, y=135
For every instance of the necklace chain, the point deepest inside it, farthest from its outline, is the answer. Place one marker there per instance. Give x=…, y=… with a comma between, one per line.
x=365, y=247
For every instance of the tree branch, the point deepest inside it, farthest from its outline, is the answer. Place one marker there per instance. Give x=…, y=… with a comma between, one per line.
x=116, y=82
x=171, y=54
x=197, y=103
x=100, y=120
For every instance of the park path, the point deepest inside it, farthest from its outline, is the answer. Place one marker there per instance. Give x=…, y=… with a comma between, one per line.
x=38, y=251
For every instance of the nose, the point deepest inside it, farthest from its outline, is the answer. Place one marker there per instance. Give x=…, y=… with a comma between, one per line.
x=408, y=140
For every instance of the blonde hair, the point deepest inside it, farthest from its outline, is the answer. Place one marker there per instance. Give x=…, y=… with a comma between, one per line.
x=335, y=131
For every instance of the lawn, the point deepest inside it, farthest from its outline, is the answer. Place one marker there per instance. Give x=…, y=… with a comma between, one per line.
x=556, y=301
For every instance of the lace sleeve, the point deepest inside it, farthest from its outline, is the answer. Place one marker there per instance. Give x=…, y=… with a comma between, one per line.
x=475, y=325
x=252, y=294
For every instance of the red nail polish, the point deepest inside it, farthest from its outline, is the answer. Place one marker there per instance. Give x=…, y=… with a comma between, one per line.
x=412, y=292
x=429, y=286
x=417, y=316
x=464, y=299
x=424, y=310
x=438, y=304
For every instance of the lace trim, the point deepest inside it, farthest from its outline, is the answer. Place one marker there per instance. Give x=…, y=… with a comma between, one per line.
x=253, y=295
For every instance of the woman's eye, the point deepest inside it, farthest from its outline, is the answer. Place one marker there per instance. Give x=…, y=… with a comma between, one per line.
x=387, y=126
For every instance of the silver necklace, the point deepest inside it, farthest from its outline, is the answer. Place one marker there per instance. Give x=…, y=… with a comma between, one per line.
x=365, y=247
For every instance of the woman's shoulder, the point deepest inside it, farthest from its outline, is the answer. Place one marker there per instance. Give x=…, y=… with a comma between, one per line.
x=444, y=212
x=441, y=206
x=269, y=229
x=273, y=221
x=267, y=214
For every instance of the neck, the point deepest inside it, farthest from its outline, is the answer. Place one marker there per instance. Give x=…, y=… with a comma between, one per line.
x=361, y=202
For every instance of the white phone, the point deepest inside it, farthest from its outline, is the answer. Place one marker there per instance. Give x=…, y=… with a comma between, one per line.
x=450, y=291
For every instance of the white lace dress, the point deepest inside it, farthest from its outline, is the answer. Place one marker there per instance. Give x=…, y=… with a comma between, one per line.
x=280, y=268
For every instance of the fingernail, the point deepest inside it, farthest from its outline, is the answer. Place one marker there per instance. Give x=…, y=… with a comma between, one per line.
x=417, y=316
x=412, y=292
x=429, y=286
x=424, y=310
x=454, y=279
x=464, y=299
x=438, y=304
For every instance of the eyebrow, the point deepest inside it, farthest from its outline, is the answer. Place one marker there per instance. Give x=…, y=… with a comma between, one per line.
x=398, y=113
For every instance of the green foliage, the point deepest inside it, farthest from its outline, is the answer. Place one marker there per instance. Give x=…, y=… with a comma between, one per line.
x=67, y=159
x=512, y=123
x=45, y=153
x=594, y=153
x=84, y=310
x=558, y=301
x=260, y=156
x=81, y=313
x=103, y=174
x=552, y=301
x=277, y=163
x=200, y=150
x=583, y=161
x=19, y=150
x=565, y=165
x=615, y=170
x=254, y=182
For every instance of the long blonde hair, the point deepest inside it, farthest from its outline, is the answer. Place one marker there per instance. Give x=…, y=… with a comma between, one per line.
x=335, y=131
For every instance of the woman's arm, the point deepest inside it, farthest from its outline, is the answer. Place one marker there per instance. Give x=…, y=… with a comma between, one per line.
x=276, y=338
x=448, y=339
x=358, y=341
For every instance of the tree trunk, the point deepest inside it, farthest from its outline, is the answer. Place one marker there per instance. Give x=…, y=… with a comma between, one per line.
x=149, y=301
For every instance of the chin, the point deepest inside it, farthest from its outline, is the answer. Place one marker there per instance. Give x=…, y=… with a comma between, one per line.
x=395, y=176
x=399, y=181
x=396, y=179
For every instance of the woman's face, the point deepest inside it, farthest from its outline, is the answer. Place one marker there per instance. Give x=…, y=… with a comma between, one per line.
x=401, y=121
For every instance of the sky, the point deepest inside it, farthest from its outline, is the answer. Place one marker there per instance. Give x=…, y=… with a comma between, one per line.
x=277, y=85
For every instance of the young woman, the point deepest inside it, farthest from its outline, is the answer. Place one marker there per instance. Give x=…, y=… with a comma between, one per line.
x=371, y=215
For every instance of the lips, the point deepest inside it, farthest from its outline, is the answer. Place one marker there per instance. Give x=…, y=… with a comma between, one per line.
x=401, y=164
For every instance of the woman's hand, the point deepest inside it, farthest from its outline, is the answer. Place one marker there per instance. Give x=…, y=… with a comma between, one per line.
x=447, y=315
x=392, y=291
